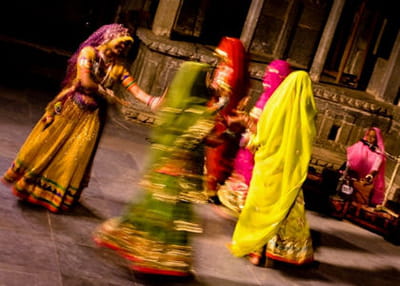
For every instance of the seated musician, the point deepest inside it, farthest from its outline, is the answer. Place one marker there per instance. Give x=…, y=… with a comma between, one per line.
x=366, y=160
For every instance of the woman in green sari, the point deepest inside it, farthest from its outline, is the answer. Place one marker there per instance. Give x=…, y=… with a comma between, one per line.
x=273, y=217
x=153, y=234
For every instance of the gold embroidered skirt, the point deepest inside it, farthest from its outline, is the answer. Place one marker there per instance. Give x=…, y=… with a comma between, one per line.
x=52, y=166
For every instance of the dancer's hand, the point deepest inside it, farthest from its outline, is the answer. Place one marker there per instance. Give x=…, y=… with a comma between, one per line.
x=244, y=140
x=368, y=179
x=156, y=101
x=48, y=118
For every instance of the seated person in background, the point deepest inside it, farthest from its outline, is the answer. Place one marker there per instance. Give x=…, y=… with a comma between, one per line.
x=366, y=159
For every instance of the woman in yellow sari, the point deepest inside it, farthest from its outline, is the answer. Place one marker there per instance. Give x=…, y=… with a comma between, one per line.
x=53, y=165
x=274, y=215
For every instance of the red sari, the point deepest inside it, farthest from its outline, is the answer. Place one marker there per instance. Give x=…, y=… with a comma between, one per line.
x=229, y=82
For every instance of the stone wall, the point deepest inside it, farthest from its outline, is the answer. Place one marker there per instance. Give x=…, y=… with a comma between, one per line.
x=343, y=115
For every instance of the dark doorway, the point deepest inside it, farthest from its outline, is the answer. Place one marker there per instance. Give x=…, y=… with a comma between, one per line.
x=365, y=28
x=207, y=21
x=37, y=37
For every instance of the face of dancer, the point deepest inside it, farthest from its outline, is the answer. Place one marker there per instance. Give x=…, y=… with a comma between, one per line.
x=371, y=137
x=116, y=48
x=219, y=74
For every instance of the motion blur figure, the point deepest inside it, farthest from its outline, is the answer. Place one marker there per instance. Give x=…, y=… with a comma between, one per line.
x=153, y=233
x=230, y=84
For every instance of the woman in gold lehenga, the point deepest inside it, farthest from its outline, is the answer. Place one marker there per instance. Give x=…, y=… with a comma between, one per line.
x=53, y=165
x=273, y=216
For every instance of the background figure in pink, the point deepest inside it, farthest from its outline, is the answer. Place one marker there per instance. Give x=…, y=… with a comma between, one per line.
x=366, y=158
x=233, y=193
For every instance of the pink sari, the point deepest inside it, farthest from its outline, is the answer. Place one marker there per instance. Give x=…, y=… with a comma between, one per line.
x=233, y=193
x=361, y=159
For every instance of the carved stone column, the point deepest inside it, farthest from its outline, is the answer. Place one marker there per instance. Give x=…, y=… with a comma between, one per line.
x=164, y=19
x=251, y=22
x=286, y=30
x=326, y=40
x=385, y=80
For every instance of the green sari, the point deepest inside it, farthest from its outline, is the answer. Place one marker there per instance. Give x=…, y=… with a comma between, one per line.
x=274, y=213
x=154, y=232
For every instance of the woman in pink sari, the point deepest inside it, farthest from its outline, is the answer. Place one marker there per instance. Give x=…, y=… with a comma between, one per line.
x=233, y=193
x=366, y=158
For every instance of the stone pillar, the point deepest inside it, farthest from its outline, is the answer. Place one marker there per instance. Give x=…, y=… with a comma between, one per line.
x=164, y=19
x=385, y=80
x=251, y=22
x=326, y=40
x=286, y=30
x=392, y=82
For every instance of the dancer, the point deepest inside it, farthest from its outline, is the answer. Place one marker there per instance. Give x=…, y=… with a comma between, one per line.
x=273, y=216
x=153, y=233
x=234, y=192
x=53, y=165
x=230, y=82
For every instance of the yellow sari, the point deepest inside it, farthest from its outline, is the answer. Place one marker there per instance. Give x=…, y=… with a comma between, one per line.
x=274, y=211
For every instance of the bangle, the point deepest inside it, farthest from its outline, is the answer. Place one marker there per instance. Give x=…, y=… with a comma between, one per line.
x=57, y=107
x=128, y=81
x=150, y=100
x=155, y=102
x=132, y=83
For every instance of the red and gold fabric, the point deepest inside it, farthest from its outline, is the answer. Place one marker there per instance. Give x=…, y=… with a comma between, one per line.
x=229, y=81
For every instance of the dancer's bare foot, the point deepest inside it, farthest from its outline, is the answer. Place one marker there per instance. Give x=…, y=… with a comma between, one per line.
x=254, y=258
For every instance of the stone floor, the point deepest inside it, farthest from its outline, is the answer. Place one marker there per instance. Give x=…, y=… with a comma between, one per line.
x=41, y=248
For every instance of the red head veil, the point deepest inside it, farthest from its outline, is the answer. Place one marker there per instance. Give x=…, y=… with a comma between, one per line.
x=233, y=54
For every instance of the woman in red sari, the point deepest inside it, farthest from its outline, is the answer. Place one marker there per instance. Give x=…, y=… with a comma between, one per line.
x=230, y=82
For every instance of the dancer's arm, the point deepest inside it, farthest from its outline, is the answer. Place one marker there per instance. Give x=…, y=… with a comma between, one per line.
x=153, y=102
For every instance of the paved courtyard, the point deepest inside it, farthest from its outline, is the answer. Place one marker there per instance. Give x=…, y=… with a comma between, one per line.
x=41, y=248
